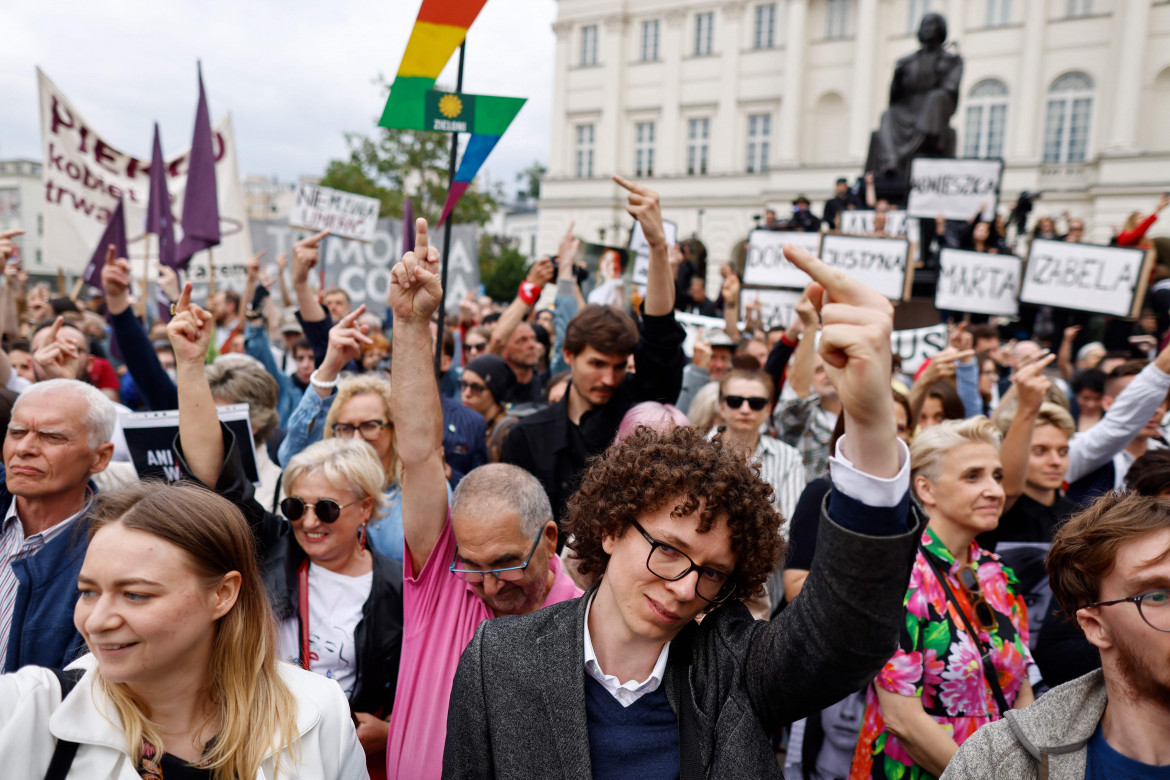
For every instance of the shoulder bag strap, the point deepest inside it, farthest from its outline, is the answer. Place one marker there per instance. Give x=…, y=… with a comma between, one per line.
x=690, y=763
x=303, y=609
x=984, y=651
x=64, y=752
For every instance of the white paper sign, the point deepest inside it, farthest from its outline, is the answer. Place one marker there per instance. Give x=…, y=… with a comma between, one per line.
x=957, y=189
x=1102, y=279
x=879, y=263
x=640, y=248
x=765, y=264
x=978, y=282
x=860, y=223
x=341, y=213
x=918, y=344
x=777, y=307
x=694, y=324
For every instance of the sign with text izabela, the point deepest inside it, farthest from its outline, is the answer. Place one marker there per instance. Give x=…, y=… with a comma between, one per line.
x=640, y=248
x=150, y=436
x=957, y=189
x=1102, y=279
x=978, y=283
x=343, y=214
x=765, y=265
x=879, y=263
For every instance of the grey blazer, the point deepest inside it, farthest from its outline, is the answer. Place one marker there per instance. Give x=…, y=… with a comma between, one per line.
x=518, y=702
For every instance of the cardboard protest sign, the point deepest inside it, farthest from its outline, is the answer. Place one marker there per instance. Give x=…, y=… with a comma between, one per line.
x=316, y=208
x=957, y=189
x=150, y=436
x=918, y=344
x=84, y=175
x=978, y=282
x=640, y=248
x=694, y=324
x=777, y=307
x=765, y=265
x=1102, y=279
x=879, y=263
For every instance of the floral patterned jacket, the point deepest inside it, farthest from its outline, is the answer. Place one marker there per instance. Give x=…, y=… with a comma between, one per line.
x=938, y=661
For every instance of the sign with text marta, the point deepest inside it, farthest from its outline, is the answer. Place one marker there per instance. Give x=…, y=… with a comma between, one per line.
x=341, y=213
x=978, y=282
x=1102, y=279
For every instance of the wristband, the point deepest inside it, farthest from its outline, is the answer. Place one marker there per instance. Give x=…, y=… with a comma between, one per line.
x=787, y=342
x=315, y=382
x=529, y=292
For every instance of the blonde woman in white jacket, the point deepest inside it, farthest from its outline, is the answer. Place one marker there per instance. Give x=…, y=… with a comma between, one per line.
x=182, y=679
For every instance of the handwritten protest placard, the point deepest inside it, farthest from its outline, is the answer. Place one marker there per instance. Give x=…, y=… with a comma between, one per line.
x=777, y=307
x=856, y=222
x=765, y=264
x=640, y=248
x=341, y=213
x=1102, y=279
x=978, y=282
x=916, y=345
x=957, y=189
x=150, y=435
x=877, y=262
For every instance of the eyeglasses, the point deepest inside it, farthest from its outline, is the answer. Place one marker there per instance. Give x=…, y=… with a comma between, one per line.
x=667, y=563
x=984, y=614
x=1153, y=606
x=756, y=402
x=369, y=429
x=326, y=509
x=475, y=347
x=506, y=574
x=471, y=387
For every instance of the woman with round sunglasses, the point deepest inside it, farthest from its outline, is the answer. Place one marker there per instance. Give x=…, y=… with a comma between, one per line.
x=963, y=654
x=337, y=602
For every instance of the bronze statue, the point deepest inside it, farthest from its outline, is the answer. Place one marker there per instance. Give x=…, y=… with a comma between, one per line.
x=923, y=96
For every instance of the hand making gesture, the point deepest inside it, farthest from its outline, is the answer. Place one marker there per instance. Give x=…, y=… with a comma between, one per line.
x=59, y=357
x=346, y=340
x=7, y=248
x=190, y=332
x=642, y=205
x=305, y=257
x=414, y=282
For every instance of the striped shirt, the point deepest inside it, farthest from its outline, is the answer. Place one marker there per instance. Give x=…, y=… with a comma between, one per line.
x=781, y=467
x=14, y=546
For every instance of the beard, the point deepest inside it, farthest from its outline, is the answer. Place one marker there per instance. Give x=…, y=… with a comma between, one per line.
x=1140, y=677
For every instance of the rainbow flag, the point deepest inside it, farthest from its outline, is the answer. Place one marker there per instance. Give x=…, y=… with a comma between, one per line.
x=414, y=103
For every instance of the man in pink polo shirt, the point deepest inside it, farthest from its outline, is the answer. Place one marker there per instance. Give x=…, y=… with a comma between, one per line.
x=493, y=554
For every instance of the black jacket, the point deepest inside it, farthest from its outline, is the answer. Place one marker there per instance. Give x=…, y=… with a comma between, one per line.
x=378, y=636
x=544, y=444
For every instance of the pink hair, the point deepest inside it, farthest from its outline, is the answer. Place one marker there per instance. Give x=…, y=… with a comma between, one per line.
x=650, y=414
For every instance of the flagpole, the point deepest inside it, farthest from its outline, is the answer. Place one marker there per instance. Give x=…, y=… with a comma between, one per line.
x=146, y=281
x=447, y=224
x=210, y=277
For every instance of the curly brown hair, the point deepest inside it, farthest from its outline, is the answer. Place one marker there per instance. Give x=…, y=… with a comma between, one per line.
x=650, y=469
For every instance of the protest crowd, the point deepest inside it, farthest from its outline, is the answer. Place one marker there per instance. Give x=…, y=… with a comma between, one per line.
x=624, y=530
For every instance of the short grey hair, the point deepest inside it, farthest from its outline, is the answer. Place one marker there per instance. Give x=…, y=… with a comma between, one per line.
x=498, y=486
x=349, y=464
x=100, y=418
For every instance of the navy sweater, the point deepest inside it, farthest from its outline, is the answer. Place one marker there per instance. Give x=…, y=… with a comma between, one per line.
x=637, y=741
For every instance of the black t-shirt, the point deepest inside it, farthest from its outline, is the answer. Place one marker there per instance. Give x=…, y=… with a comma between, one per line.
x=806, y=519
x=174, y=768
x=529, y=392
x=1029, y=521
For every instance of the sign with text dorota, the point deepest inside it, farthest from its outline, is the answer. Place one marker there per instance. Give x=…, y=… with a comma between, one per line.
x=341, y=213
x=765, y=265
x=1089, y=277
x=957, y=189
x=978, y=283
x=879, y=263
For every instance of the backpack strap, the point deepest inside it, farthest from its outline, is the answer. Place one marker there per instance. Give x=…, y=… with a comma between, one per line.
x=64, y=752
x=690, y=762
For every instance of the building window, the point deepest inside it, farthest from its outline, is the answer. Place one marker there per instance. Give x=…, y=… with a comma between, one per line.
x=1079, y=8
x=698, y=133
x=650, y=41
x=704, y=33
x=585, y=151
x=589, y=45
x=765, y=26
x=999, y=13
x=917, y=10
x=987, y=104
x=1066, y=121
x=837, y=19
x=644, y=149
x=759, y=135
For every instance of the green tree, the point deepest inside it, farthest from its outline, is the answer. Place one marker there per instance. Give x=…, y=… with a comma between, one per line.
x=501, y=267
x=530, y=179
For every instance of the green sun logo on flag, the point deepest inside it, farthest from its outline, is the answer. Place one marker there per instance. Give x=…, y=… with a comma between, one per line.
x=450, y=106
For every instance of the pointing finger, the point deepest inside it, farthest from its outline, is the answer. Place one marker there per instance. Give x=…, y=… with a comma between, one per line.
x=629, y=185
x=317, y=239
x=350, y=318
x=111, y=254
x=184, y=301
x=56, y=327
x=10, y=234
x=421, y=244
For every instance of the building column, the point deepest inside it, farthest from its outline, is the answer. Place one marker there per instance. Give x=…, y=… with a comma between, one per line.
x=864, y=69
x=559, y=157
x=1026, y=101
x=725, y=147
x=956, y=16
x=788, y=139
x=668, y=161
x=610, y=149
x=1127, y=90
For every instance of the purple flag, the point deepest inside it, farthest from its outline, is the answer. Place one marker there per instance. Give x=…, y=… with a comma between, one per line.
x=200, y=206
x=408, y=227
x=115, y=233
x=159, y=219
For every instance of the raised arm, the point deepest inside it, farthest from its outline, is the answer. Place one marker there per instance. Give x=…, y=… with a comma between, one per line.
x=190, y=332
x=1031, y=387
x=642, y=205
x=305, y=257
x=800, y=371
x=539, y=274
x=141, y=360
x=730, y=292
x=1064, y=360
x=418, y=416
x=281, y=264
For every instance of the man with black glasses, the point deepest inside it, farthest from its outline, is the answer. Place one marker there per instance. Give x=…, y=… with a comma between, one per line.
x=623, y=682
x=1110, y=569
x=493, y=554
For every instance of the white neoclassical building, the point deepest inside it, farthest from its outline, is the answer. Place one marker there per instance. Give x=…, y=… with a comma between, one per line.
x=729, y=107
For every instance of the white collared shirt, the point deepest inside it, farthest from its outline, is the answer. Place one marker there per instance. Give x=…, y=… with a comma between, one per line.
x=626, y=693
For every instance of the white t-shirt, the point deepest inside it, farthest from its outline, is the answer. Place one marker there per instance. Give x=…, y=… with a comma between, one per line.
x=335, y=609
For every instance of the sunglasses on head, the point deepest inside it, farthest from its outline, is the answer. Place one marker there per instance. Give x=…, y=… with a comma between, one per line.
x=754, y=401
x=326, y=509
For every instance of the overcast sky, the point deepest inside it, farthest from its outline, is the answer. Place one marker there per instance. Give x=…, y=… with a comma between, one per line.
x=295, y=75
